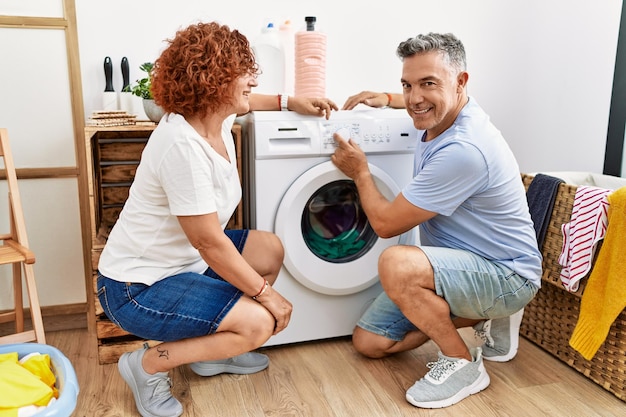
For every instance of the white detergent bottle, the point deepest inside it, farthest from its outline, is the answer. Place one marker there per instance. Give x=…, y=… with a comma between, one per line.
x=286, y=33
x=269, y=54
x=310, y=61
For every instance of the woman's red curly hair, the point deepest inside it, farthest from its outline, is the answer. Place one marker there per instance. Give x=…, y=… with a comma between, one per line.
x=194, y=75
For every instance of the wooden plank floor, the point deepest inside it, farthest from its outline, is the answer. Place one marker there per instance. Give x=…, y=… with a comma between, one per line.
x=329, y=379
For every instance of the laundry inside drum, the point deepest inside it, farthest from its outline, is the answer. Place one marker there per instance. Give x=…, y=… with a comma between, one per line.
x=334, y=225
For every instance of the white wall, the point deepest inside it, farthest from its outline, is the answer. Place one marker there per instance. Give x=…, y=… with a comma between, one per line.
x=542, y=69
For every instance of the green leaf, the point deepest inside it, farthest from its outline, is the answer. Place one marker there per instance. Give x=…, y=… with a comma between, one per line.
x=142, y=86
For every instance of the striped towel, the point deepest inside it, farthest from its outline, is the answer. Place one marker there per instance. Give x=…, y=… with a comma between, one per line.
x=582, y=234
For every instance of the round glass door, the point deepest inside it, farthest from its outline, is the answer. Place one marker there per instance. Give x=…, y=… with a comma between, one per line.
x=329, y=244
x=334, y=225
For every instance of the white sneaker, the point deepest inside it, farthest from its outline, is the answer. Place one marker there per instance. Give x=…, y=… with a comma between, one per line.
x=153, y=395
x=500, y=337
x=449, y=381
x=246, y=363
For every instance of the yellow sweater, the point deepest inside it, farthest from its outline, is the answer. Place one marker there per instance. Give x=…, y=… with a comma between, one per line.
x=605, y=294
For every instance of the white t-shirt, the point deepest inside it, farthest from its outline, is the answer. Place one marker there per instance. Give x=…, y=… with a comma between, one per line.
x=180, y=174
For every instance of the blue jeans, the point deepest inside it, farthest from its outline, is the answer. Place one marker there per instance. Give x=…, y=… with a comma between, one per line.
x=177, y=307
x=473, y=287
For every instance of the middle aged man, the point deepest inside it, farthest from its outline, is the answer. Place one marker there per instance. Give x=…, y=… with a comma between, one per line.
x=478, y=262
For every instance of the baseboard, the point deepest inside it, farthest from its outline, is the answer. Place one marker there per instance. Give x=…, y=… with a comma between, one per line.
x=59, y=317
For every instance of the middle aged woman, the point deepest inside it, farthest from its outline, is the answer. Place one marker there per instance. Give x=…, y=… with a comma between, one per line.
x=169, y=271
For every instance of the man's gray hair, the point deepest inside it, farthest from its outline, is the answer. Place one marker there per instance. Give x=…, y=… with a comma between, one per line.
x=447, y=44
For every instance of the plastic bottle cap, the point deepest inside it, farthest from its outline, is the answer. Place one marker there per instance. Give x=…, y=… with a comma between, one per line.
x=310, y=23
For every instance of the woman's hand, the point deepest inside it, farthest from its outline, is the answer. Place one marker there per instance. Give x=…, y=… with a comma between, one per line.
x=303, y=105
x=312, y=106
x=279, y=306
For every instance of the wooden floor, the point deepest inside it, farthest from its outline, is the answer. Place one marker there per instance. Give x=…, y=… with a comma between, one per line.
x=328, y=378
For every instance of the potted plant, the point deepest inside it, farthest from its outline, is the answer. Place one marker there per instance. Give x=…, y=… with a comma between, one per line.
x=142, y=89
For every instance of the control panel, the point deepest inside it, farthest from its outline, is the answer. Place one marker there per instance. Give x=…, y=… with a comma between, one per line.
x=274, y=134
x=371, y=134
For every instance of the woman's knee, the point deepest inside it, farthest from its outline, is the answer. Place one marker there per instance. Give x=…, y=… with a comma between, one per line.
x=249, y=319
x=259, y=326
x=262, y=331
x=276, y=251
x=265, y=253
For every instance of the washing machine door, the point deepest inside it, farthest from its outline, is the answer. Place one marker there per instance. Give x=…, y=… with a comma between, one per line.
x=330, y=246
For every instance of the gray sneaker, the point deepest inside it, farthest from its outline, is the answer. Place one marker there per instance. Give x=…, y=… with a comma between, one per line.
x=500, y=337
x=449, y=381
x=247, y=363
x=153, y=395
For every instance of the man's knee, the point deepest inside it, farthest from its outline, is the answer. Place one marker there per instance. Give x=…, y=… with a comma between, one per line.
x=369, y=344
x=389, y=260
x=403, y=270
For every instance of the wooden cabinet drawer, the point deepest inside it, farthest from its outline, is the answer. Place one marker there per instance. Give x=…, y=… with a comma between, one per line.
x=121, y=149
x=118, y=173
x=114, y=195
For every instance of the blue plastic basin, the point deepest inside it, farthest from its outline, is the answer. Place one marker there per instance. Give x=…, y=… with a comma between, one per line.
x=66, y=381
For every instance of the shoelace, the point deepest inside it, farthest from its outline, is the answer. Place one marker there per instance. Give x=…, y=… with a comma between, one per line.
x=162, y=387
x=441, y=369
x=485, y=334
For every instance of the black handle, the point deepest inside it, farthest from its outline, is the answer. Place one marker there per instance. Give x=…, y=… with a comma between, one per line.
x=125, y=75
x=108, y=74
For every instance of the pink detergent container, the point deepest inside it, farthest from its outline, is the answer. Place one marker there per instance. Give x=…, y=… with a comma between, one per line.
x=310, y=61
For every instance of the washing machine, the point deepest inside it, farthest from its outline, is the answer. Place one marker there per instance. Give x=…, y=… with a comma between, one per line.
x=292, y=188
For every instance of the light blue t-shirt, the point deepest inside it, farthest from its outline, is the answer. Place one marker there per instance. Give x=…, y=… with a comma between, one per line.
x=469, y=176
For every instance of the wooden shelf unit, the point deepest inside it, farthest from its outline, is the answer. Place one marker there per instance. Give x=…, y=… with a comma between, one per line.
x=113, y=154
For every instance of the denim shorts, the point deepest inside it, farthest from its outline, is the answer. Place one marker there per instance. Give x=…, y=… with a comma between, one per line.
x=474, y=288
x=177, y=307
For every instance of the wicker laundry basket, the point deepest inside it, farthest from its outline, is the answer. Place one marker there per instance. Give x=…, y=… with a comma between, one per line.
x=550, y=318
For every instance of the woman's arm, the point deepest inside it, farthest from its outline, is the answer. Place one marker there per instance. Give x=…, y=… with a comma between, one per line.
x=302, y=105
x=206, y=235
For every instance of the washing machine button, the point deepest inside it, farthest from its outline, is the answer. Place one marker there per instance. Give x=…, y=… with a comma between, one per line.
x=344, y=133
